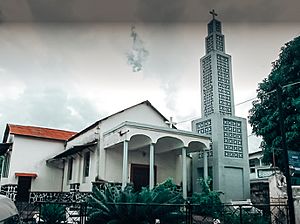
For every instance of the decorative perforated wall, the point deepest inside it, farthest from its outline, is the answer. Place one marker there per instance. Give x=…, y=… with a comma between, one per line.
x=204, y=127
x=224, y=85
x=209, y=44
x=220, y=42
x=210, y=153
x=217, y=25
x=233, y=146
x=9, y=190
x=207, y=86
x=210, y=27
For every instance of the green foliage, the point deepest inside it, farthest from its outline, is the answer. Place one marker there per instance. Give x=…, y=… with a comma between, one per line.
x=207, y=202
x=264, y=115
x=112, y=205
x=233, y=216
x=53, y=213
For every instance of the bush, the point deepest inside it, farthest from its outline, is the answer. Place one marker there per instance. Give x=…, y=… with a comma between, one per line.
x=207, y=202
x=53, y=213
x=112, y=205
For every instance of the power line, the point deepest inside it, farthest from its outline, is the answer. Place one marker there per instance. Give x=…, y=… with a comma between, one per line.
x=238, y=104
x=245, y=101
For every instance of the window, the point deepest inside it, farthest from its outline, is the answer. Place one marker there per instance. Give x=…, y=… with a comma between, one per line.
x=70, y=169
x=6, y=165
x=86, y=164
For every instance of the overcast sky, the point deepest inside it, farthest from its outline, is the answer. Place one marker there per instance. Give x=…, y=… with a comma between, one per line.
x=68, y=75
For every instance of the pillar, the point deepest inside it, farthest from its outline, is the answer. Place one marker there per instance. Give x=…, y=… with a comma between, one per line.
x=78, y=179
x=184, y=174
x=205, y=164
x=151, y=167
x=125, y=165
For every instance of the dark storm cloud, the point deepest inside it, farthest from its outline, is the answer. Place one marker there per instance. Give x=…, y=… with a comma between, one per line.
x=161, y=11
x=149, y=10
x=48, y=108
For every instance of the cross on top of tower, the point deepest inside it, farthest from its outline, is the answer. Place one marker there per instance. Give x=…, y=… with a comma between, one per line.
x=214, y=14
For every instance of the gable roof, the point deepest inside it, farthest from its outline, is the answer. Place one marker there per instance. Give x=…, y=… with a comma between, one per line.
x=99, y=121
x=38, y=132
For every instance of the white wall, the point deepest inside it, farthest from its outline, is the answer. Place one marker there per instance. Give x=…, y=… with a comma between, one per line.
x=168, y=165
x=77, y=172
x=29, y=155
x=78, y=163
x=109, y=165
x=140, y=114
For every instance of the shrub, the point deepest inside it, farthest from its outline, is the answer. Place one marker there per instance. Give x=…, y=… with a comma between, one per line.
x=112, y=205
x=53, y=213
x=207, y=202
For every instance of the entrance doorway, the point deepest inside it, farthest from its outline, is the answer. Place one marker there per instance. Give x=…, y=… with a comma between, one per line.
x=23, y=190
x=139, y=175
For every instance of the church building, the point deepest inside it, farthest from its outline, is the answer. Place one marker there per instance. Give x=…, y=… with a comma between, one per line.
x=134, y=146
x=228, y=163
x=137, y=145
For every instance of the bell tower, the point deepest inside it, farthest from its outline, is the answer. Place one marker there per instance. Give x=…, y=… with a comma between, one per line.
x=228, y=156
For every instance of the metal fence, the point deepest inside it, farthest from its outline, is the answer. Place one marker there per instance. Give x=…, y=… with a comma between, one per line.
x=80, y=213
x=52, y=212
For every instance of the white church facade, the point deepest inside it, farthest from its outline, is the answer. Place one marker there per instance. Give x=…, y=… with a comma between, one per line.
x=134, y=146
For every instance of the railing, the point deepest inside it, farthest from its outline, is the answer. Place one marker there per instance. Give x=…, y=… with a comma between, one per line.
x=52, y=212
x=79, y=213
x=39, y=196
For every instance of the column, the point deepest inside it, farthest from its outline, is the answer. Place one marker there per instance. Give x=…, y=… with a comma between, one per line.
x=205, y=164
x=97, y=136
x=79, y=169
x=125, y=165
x=151, y=167
x=184, y=174
x=260, y=161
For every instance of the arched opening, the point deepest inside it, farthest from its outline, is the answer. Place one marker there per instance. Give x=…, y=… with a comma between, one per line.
x=139, y=141
x=195, y=146
x=139, y=161
x=166, y=144
x=199, y=153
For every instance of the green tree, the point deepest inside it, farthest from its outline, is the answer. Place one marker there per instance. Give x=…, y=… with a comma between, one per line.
x=264, y=115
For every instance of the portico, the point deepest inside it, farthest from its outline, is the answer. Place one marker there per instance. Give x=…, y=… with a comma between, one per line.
x=168, y=148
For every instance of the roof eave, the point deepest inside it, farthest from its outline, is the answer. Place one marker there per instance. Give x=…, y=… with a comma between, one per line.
x=147, y=102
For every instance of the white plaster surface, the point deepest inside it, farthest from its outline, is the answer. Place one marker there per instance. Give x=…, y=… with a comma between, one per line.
x=29, y=155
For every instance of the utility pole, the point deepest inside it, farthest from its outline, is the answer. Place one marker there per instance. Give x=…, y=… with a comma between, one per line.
x=286, y=159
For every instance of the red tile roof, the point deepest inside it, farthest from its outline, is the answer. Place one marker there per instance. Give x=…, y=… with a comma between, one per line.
x=40, y=132
x=26, y=175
